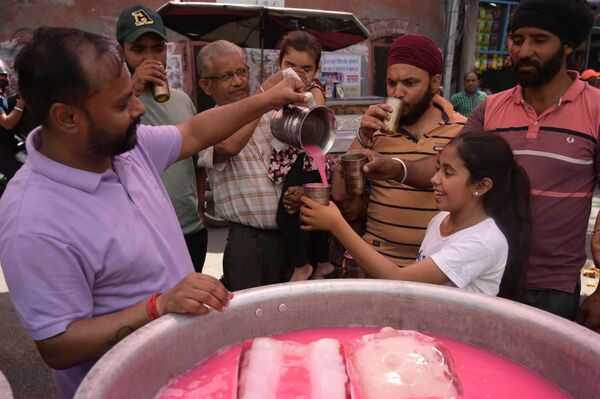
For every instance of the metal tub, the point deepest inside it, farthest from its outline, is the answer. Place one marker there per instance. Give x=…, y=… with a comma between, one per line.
x=566, y=354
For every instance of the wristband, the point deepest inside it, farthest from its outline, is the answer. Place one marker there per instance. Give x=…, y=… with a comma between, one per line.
x=362, y=141
x=151, y=308
x=405, y=169
x=18, y=109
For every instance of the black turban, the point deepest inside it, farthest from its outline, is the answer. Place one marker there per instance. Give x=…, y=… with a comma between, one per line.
x=570, y=20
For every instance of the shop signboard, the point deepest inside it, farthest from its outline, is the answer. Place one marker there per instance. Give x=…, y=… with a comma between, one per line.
x=340, y=74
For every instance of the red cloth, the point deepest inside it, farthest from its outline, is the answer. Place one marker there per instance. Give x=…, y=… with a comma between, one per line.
x=418, y=51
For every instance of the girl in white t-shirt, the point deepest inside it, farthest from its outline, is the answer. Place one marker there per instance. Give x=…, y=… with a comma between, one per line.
x=480, y=240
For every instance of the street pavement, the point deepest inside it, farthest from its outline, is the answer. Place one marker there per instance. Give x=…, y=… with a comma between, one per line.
x=30, y=378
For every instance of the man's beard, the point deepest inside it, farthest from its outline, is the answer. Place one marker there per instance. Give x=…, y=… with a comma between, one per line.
x=542, y=73
x=103, y=143
x=417, y=109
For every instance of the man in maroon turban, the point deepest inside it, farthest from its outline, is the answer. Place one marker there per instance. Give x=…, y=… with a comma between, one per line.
x=397, y=216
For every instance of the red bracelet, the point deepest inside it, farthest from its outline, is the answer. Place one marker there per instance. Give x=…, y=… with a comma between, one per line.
x=151, y=307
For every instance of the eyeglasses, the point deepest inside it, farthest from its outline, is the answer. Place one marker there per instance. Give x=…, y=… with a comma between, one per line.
x=226, y=77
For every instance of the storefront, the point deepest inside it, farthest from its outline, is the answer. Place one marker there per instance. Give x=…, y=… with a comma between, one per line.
x=492, y=61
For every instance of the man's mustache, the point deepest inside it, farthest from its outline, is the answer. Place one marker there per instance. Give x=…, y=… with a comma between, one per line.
x=528, y=62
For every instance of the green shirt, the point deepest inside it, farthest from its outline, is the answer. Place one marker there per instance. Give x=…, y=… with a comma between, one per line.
x=465, y=104
x=180, y=178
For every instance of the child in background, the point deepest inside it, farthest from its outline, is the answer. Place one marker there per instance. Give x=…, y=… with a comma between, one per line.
x=479, y=242
x=293, y=167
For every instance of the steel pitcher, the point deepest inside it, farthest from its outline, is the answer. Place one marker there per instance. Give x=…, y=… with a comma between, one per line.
x=299, y=126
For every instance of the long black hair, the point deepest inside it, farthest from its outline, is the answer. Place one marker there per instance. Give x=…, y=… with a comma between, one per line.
x=507, y=202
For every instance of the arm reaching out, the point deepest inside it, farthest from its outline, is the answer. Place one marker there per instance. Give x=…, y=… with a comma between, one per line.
x=215, y=125
x=416, y=174
x=329, y=218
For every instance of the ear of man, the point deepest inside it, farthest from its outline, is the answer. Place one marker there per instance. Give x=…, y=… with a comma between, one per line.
x=436, y=81
x=67, y=118
x=205, y=86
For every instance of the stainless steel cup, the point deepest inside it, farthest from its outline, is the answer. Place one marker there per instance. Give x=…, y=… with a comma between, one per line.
x=317, y=192
x=354, y=178
x=161, y=93
x=391, y=125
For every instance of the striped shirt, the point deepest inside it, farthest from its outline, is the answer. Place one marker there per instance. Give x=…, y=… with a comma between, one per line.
x=398, y=215
x=465, y=104
x=242, y=190
x=559, y=149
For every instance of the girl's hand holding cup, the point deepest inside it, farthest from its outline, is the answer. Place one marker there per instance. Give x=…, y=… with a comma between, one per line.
x=315, y=216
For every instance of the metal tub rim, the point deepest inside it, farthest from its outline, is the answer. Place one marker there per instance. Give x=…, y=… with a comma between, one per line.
x=557, y=349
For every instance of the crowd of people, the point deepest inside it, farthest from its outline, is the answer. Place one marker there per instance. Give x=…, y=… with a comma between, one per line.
x=101, y=229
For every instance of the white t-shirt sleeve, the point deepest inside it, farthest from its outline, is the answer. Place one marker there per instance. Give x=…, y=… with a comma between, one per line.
x=463, y=261
x=475, y=261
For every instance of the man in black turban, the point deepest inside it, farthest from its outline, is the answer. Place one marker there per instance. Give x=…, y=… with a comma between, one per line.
x=570, y=20
x=544, y=22
x=551, y=120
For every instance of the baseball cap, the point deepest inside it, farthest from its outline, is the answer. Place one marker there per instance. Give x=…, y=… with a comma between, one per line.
x=136, y=20
x=589, y=73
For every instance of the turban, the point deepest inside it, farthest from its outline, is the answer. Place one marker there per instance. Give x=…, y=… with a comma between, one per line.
x=570, y=20
x=418, y=51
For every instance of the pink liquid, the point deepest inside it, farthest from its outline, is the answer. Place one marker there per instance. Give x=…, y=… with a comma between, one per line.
x=317, y=154
x=483, y=374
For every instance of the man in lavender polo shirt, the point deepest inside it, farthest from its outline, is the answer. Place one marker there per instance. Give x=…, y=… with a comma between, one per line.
x=87, y=232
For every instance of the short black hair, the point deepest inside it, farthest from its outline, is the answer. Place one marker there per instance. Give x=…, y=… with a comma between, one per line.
x=470, y=72
x=50, y=67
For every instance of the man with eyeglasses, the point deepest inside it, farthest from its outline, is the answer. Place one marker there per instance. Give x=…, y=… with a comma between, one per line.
x=244, y=195
x=141, y=33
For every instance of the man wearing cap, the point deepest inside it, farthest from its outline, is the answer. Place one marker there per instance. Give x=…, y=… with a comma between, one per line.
x=141, y=34
x=90, y=244
x=427, y=123
x=551, y=120
x=592, y=77
x=10, y=116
